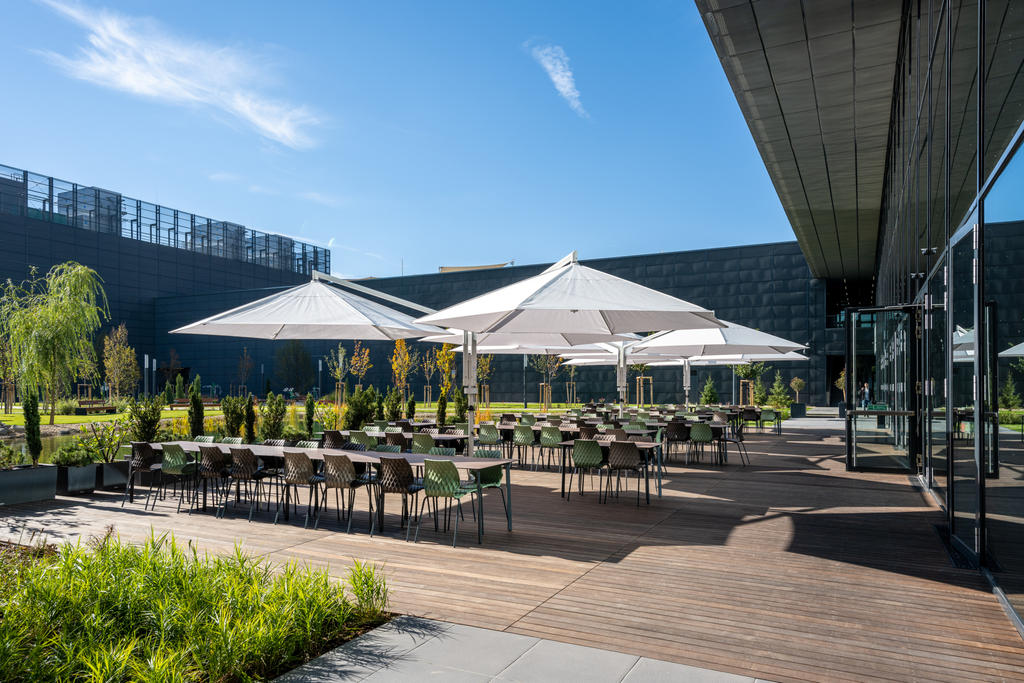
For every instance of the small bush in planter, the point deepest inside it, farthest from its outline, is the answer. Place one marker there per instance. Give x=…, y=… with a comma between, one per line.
x=272, y=417
x=8, y=457
x=104, y=439
x=290, y=433
x=144, y=418
x=75, y=454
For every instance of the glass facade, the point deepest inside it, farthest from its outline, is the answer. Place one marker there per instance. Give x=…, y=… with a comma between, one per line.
x=952, y=247
x=23, y=193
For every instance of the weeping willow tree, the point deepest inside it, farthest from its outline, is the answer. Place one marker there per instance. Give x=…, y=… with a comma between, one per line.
x=49, y=323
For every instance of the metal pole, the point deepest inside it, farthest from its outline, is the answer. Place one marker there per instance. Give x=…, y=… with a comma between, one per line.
x=145, y=375
x=319, y=376
x=524, y=381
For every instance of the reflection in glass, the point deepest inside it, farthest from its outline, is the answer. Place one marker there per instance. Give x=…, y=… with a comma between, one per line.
x=935, y=372
x=1004, y=299
x=964, y=480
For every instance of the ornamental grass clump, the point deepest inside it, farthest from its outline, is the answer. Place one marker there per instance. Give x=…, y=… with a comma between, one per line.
x=160, y=612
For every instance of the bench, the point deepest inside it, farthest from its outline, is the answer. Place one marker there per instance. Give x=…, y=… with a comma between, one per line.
x=92, y=407
x=183, y=403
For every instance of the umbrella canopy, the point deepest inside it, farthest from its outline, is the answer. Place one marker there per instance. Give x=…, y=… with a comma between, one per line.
x=1013, y=351
x=315, y=310
x=527, y=340
x=731, y=339
x=569, y=298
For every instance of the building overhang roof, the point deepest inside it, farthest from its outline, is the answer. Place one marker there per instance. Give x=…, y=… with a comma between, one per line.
x=815, y=81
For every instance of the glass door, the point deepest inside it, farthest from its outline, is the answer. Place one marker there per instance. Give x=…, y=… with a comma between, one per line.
x=882, y=431
x=934, y=384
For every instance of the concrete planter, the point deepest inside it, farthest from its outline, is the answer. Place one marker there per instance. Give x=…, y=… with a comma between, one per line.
x=27, y=484
x=77, y=480
x=112, y=475
x=798, y=410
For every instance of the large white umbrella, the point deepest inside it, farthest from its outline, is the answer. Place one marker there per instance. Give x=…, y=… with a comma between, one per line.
x=1013, y=351
x=567, y=298
x=731, y=339
x=314, y=310
x=528, y=340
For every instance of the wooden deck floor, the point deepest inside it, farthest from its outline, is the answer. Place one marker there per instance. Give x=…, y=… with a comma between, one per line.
x=790, y=569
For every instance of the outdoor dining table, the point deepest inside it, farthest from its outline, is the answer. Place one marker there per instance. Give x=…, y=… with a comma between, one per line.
x=438, y=438
x=644, y=447
x=471, y=465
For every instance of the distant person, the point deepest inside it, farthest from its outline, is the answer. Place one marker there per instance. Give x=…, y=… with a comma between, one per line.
x=865, y=396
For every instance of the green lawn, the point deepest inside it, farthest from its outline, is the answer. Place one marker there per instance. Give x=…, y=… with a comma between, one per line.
x=17, y=418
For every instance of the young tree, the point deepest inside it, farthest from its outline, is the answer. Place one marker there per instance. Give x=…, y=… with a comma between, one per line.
x=428, y=365
x=779, y=397
x=360, y=363
x=548, y=366
x=195, y=408
x=120, y=363
x=310, y=414
x=797, y=385
x=760, y=392
x=293, y=366
x=50, y=323
x=33, y=440
x=402, y=363
x=444, y=360
x=709, y=395
x=1008, y=396
x=272, y=417
x=484, y=368
x=245, y=364
x=751, y=370
x=250, y=420
x=338, y=368
x=179, y=387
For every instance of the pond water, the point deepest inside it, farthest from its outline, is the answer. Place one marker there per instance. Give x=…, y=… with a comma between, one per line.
x=50, y=444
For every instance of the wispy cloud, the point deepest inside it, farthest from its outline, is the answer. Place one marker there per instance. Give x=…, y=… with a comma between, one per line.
x=319, y=198
x=138, y=56
x=555, y=62
x=261, y=189
x=224, y=177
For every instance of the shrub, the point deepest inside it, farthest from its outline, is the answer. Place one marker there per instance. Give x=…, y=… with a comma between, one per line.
x=272, y=417
x=83, y=613
x=144, y=418
x=1008, y=396
x=250, y=419
x=73, y=454
x=461, y=405
x=442, y=410
x=328, y=415
x=234, y=414
x=120, y=404
x=779, y=397
x=8, y=457
x=393, y=405
x=33, y=440
x=168, y=395
x=290, y=433
x=310, y=413
x=360, y=408
x=797, y=384
x=104, y=438
x=760, y=393
x=179, y=387
x=195, y=409
x=379, y=411
x=410, y=408
x=66, y=406
x=709, y=395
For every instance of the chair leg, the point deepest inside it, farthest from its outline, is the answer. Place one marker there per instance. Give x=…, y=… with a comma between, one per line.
x=455, y=536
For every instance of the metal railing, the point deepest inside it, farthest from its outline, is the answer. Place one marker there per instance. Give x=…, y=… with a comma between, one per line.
x=23, y=193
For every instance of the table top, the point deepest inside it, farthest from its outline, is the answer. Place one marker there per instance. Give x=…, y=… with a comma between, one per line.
x=642, y=445
x=369, y=457
x=408, y=435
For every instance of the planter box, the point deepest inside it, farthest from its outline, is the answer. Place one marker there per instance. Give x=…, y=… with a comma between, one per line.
x=798, y=410
x=842, y=411
x=112, y=475
x=27, y=484
x=72, y=480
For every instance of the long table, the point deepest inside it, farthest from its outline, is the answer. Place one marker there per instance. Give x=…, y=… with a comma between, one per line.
x=472, y=465
x=645, y=447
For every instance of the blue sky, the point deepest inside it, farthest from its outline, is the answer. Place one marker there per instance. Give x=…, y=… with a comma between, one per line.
x=404, y=134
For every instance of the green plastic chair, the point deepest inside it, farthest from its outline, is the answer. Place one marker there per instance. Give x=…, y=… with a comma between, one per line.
x=459, y=428
x=491, y=478
x=203, y=439
x=527, y=419
x=441, y=450
x=550, y=443
x=635, y=425
x=422, y=443
x=772, y=418
x=586, y=455
x=176, y=464
x=361, y=437
x=700, y=434
x=392, y=430
x=489, y=435
x=233, y=440
x=380, y=425
x=522, y=439
x=386, y=448
x=307, y=444
x=441, y=480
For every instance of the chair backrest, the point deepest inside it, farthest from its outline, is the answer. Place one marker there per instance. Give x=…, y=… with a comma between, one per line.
x=489, y=434
x=618, y=434
x=273, y=442
x=636, y=425
x=748, y=414
x=202, y=439
x=527, y=419
x=175, y=459
x=386, y=448
x=440, y=478
x=720, y=417
x=441, y=450
x=235, y=440
x=359, y=436
x=339, y=472
x=380, y=425
x=334, y=439
x=350, y=446
x=623, y=455
x=768, y=415
x=213, y=461
x=307, y=444
x=422, y=443
x=459, y=428
x=395, y=475
x=490, y=476
x=522, y=435
x=244, y=464
x=701, y=433
x=677, y=431
x=550, y=436
x=298, y=468
x=143, y=455
x=587, y=453
x=392, y=430
x=588, y=432
x=508, y=418
x=397, y=439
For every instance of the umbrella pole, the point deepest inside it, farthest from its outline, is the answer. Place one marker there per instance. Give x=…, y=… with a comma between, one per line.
x=469, y=384
x=620, y=377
